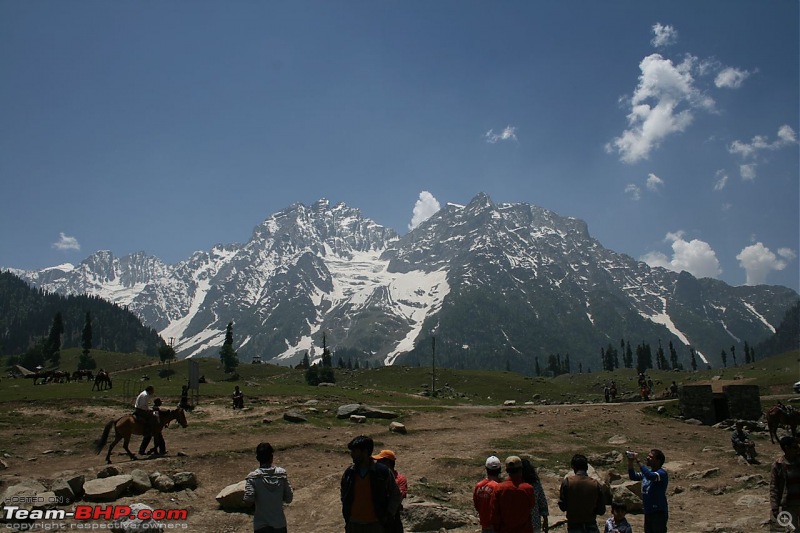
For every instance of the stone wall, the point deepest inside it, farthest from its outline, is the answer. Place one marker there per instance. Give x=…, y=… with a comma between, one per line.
x=697, y=401
x=744, y=401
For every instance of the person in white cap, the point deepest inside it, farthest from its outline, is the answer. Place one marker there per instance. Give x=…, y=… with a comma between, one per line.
x=482, y=495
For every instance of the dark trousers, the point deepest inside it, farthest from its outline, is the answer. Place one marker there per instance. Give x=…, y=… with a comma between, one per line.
x=270, y=529
x=655, y=522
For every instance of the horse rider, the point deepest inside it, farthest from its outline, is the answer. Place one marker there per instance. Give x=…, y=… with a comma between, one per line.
x=144, y=413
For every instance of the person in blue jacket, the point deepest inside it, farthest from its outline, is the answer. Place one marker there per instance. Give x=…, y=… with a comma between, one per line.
x=654, y=489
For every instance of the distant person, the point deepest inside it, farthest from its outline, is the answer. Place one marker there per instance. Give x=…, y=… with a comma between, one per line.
x=617, y=523
x=540, y=511
x=482, y=494
x=607, y=393
x=389, y=460
x=145, y=415
x=184, y=403
x=673, y=390
x=159, y=445
x=581, y=498
x=513, y=501
x=238, y=398
x=369, y=495
x=654, y=489
x=268, y=488
x=742, y=443
x=784, y=483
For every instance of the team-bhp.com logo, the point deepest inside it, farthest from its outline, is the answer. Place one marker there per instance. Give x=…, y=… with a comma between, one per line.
x=86, y=513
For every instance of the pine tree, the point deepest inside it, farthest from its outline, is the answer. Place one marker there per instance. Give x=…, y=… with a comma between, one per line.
x=733, y=354
x=724, y=359
x=327, y=360
x=747, y=358
x=537, y=368
x=53, y=344
x=673, y=356
x=694, y=360
x=86, y=336
x=229, y=358
x=166, y=352
x=306, y=362
x=628, y=355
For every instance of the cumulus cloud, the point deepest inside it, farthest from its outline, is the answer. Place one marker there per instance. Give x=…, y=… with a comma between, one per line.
x=757, y=260
x=633, y=191
x=425, y=207
x=654, y=182
x=731, y=78
x=748, y=172
x=722, y=180
x=662, y=104
x=695, y=257
x=65, y=242
x=663, y=35
x=786, y=137
x=509, y=133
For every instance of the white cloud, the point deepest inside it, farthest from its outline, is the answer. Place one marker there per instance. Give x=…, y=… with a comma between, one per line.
x=786, y=137
x=509, y=133
x=663, y=35
x=757, y=260
x=633, y=191
x=661, y=105
x=695, y=257
x=654, y=182
x=66, y=242
x=722, y=180
x=748, y=172
x=425, y=207
x=731, y=78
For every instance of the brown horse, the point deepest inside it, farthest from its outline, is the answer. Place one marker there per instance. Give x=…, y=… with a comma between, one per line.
x=128, y=425
x=778, y=417
x=102, y=381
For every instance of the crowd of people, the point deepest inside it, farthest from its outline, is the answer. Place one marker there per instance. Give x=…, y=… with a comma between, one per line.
x=372, y=490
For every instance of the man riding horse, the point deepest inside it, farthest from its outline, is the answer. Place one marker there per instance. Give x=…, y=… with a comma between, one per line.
x=144, y=414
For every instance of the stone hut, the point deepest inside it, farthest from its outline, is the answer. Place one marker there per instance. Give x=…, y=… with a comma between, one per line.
x=735, y=401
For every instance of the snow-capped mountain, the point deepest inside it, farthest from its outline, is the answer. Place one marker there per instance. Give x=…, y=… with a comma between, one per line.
x=498, y=285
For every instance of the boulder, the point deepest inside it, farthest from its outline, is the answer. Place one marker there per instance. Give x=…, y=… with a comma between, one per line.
x=621, y=493
x=230, y=498
x=109, y=471
x=140, y=481
x=358, y=419
x=136, y=524
x=63, y=491
x=106, y=489
x=428, y=516
x=345, y=411
x=23, y=494
x=293, y=416
x=185, y=480
x=164, y=483
x=509, y=403
x=397, y=427
x=604, y=459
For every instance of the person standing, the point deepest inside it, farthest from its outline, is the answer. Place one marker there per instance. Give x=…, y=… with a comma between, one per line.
x=389, y=460
x=238, y=398
x=784, y=484
x=482, y=494
x=370, y=497
x=159, y=444
x=540, y=512
x=142, y=411
x=268, y=488
x=654, y=489
x=512, y=501
x=581, y=498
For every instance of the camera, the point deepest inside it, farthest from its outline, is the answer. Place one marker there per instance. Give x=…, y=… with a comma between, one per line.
x=630, y=454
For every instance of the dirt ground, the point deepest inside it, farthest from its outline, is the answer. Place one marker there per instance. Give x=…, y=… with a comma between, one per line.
x=442, y=456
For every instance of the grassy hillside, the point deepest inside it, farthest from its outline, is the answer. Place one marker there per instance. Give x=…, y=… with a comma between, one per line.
x=390, y=385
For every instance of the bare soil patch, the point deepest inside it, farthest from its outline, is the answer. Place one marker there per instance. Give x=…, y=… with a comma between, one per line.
x=442, y=455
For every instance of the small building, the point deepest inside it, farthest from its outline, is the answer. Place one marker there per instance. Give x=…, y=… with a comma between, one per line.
x=735, y=401
x=256, y=360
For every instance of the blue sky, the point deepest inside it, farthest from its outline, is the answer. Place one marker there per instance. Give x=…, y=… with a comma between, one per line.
x=670, y=127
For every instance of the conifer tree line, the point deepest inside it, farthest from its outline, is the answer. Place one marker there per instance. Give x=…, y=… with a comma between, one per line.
x=43, y=324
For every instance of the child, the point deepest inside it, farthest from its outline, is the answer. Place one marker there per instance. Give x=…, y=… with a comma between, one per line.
x=617, y=522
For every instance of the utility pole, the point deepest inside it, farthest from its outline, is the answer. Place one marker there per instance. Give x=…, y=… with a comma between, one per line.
x=433, y=365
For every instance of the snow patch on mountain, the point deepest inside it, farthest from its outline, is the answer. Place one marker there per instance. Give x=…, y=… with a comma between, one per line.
x=761, y=318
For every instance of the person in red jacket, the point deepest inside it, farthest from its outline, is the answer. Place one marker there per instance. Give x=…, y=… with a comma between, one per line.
x=512, y=501
x=482, y=495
